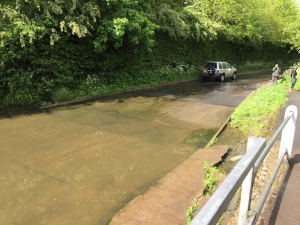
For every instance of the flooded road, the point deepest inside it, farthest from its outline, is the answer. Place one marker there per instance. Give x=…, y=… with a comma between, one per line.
x=80, y=164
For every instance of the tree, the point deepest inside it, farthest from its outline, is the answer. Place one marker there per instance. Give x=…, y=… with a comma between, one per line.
x=125, y=22
x=31, y=20
x=249, y=22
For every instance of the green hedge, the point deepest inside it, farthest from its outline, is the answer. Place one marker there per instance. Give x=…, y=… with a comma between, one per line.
x=33, y=74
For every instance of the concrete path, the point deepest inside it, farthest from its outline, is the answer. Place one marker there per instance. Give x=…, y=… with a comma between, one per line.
x=286, y=210
x=168, y=199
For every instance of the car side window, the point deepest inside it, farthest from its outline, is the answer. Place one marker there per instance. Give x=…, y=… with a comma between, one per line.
x=224, y=66
x=220, y=66
x=228, y=65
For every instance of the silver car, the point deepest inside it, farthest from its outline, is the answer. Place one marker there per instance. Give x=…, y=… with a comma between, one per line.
x=218, y=70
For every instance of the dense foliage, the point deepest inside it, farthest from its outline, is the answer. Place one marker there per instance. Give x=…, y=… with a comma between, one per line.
x=59, y=50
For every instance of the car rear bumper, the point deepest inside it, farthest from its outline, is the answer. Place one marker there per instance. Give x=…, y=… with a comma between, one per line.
x=206, y=75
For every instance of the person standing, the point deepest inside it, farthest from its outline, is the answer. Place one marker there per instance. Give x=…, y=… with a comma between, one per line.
x=275, y=75
x=293, y=78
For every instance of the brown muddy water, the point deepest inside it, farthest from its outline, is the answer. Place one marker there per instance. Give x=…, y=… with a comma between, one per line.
x=80, y=164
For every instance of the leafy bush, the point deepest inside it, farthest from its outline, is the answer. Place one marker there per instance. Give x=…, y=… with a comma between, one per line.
x=62, y=95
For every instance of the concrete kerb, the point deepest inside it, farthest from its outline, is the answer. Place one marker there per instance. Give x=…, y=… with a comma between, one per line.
x=66, y=103
x=218, y=132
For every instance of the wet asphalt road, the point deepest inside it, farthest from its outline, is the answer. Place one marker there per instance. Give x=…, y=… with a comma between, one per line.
x=228, y=93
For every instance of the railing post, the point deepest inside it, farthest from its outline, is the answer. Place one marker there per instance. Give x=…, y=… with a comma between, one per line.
x=287, y=136
x=219, y=201
x=246, y=189
x=243, y=173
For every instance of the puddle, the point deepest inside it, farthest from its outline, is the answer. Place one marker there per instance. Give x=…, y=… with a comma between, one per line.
x=237, y=143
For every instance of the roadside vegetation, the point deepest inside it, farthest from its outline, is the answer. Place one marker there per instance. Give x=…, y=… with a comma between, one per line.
x=95, y=86
x=212, y=176
x=189, y=213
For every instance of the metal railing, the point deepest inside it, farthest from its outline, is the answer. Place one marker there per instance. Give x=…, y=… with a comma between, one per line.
x=244, y=172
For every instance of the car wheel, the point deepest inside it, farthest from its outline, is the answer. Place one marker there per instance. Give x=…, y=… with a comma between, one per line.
x=222, y=77
x=233, y=76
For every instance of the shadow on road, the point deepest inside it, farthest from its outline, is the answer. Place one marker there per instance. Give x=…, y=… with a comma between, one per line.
x=293, y=161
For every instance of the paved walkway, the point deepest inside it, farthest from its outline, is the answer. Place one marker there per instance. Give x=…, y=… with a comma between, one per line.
x=168, y=199
x=286, y=210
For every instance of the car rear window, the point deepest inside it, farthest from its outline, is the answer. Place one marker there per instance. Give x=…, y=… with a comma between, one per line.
x=210, y=64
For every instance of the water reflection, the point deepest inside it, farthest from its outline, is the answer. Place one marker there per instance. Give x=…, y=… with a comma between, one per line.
x=80, y=164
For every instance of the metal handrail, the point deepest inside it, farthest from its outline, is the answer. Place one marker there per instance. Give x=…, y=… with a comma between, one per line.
x=244, y=171
x=271, y=143
x=267, y=188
